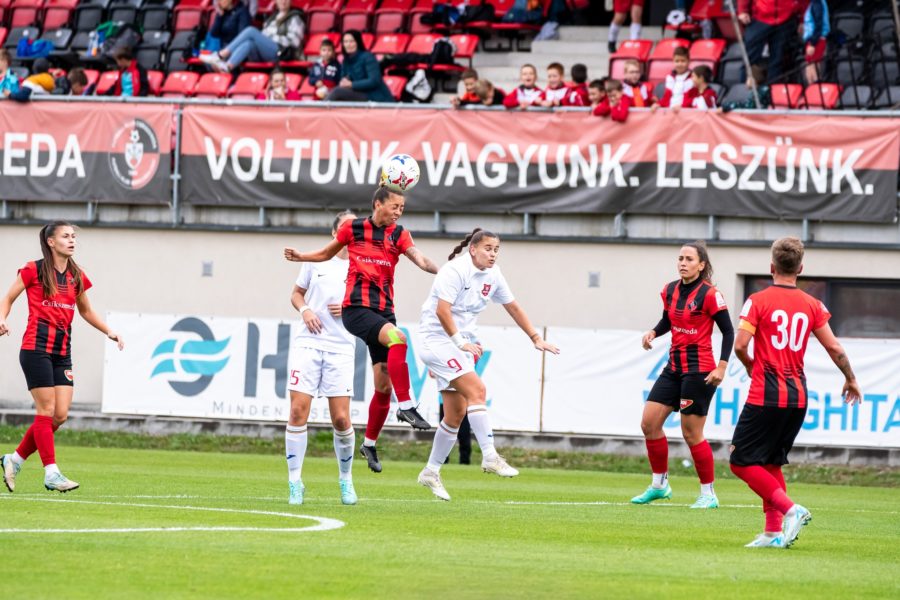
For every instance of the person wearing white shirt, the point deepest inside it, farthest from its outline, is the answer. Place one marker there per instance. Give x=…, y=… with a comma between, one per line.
x=462, y=289
x=321, y=363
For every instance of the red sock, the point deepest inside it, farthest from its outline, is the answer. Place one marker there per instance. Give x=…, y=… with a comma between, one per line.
x=398, y=371
x=658, y=453
x=774, y=518
x=27, y=446
x=765, y=485
x=704, y=462
x=43, y=438
x=378, y=412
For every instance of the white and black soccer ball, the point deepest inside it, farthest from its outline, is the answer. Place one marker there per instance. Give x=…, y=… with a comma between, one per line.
x=400, y=173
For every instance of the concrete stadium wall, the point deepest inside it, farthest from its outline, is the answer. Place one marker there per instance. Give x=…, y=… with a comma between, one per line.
x=160, y=271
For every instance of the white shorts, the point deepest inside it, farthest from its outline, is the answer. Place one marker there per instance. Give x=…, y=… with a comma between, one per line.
x=445, y=361
x=319, y=373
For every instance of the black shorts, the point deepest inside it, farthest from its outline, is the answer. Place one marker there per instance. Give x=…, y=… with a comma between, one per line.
x=685, y=392
x=366, y=324
x=43, y=369
x=765, y=434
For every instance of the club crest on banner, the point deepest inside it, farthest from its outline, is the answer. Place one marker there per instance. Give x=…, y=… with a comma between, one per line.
x=134, y=154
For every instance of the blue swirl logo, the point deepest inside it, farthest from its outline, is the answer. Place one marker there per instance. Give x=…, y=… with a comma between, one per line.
x=194, y=357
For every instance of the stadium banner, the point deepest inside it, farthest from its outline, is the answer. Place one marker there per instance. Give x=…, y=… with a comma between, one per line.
x=86, y=152
x=601, y=389
x=690, y=162
x=233, y=368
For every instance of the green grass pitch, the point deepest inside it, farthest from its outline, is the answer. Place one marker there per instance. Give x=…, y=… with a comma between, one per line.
x=545, y=534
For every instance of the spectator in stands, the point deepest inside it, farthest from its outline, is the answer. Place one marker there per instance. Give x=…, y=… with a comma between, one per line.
x=579, y=83
x=325, y=74
x=616, y=103
x=597, y=91
x=277, y=88
x=133, y=80
x=469, y=78
x=9, y=82
x=700, y=95
x=281, y=37
x=232, y=17
x=758, y=76
x=557, y=93
x=487, y=94
x=78, y=83
x=362, y=80
x=527, y=94
x=525, y=11
x=816, y=28
x=640, y=93
x=621, y=8
x=772, y=23
x=39, y=82
x=679, y=80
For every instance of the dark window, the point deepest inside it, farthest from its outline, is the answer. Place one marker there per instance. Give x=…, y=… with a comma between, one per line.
x=863, y=308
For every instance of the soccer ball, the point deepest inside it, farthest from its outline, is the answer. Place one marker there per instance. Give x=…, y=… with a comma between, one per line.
x=400, y=173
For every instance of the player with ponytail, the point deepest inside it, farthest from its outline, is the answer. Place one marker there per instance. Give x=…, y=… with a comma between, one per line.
x=55, y=286
x=461, y=291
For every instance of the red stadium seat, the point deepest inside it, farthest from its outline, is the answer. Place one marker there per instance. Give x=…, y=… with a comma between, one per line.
x=313, y=41
x=92, y=76
x=57, y=13
x=786, y=95
x=179, y=84
x=4, y=9
x=638, y=50
x=190, y=14
x=155, y=79
x=307, y=91
x=357, y=14
x=422, y=43
x=2, y=34
x=392, y=43
x=212, y=85
x=466, y=44
x=248, y=85
x=106, y=82
x=391, y=15
x=293, y=81
x=322, y=15
x=396, y=84
x=664, y=49
x=422, y=8
x=24, y=13
x=822, y=95
x=707, y=52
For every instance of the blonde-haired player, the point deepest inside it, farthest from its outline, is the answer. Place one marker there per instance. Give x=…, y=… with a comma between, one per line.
x=462, y=289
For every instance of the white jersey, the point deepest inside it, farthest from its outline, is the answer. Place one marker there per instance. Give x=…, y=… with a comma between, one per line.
x=325, y=283
x=468, y=290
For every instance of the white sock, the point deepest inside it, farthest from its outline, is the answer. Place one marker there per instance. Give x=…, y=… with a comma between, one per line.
x=343, y=449
x=16, y=458
x=295, y=439
x=51, y=469
x=660, y=480
x=635, y=31
x=706, y=489
x=368, y=442
x=407, y=404
x=613, y=32
x=444, y=438
x=481, y=426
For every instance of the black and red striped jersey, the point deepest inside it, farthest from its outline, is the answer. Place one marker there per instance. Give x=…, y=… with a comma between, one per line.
x=780, y=318
x=49, y=326
x=691, y=309
x=374, y=254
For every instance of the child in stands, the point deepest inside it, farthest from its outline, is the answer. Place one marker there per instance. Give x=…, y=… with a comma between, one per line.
x=679, y=80
x=640, y=93
x=597, y=92
x=527, y=94
x=9, y=83
x=616, y=103
x=278, y=89
x=579, y=83
x=557, y=93
x=325, y=74
x=487, y=94
x=700, y=96
x=469, y=78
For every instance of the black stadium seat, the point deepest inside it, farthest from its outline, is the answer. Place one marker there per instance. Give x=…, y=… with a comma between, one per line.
x=885, y=74
x=156, y=39
x=881, y=28
x=888, y=98
x=850, y=72
x=737, y=93
x=88, y=16
x=730, y=72
x=851, y=23
x=155, y=17
x=16, y=34
x=61, y=38
x=182, y=40
x=149, y=57
x=856, y=96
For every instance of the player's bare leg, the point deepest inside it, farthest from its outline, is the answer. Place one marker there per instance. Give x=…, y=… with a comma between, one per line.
x=471, y=388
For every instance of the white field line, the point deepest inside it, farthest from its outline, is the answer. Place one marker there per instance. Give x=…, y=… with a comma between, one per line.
x=323, y=523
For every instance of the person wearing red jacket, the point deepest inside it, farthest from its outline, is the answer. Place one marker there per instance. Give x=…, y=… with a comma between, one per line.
x=557, y=93
x=580, y=83
x=640, y=93
x=772, y=22
x=700, y=96
x=278, y=89
x=616, y=103
x=679, y=80
x=527, y=94
x=133, y=77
